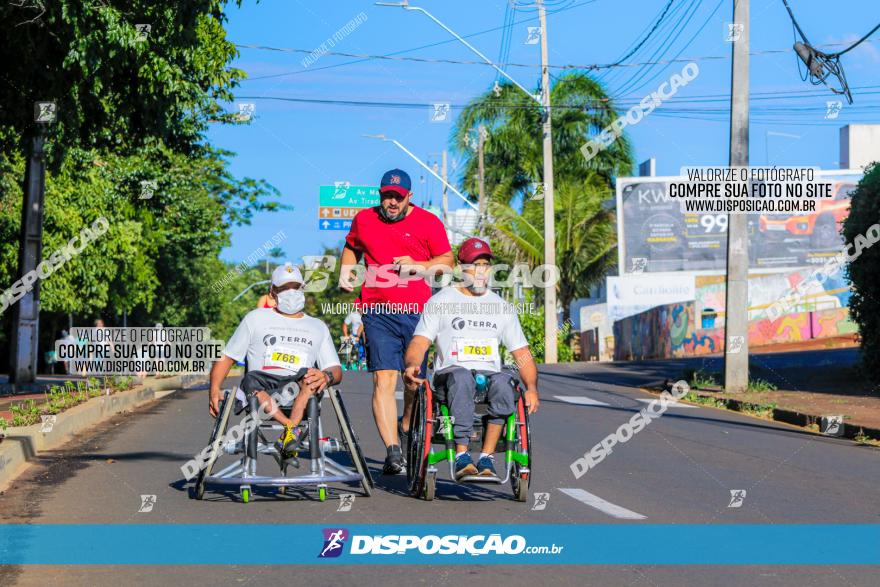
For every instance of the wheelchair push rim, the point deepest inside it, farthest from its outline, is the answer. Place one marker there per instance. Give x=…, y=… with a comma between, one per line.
x=420, y=433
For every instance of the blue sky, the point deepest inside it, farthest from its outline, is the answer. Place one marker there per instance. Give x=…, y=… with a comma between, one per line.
x=299, y=146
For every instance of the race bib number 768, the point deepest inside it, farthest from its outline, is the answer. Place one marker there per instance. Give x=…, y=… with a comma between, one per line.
x=284, y=358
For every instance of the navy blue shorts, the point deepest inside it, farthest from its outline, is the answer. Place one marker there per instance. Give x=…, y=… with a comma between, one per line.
x=388, y=335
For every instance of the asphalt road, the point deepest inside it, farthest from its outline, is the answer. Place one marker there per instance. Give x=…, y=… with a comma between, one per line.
x=679, y=469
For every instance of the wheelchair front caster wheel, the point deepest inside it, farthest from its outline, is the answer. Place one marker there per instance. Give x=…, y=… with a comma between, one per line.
x=245, y=494
x=322, y=493
x=430, y=487
x=521, y=488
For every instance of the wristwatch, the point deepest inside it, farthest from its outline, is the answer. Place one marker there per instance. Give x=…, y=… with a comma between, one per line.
x=329, y=376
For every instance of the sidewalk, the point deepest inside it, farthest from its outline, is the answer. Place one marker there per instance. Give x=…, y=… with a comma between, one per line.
x=833, y=391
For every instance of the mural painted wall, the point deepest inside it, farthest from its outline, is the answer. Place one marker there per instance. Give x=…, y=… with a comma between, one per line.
x=673, y=331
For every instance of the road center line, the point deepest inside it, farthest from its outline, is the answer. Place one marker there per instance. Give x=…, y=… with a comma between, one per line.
x=579, y=400
x=615, y=511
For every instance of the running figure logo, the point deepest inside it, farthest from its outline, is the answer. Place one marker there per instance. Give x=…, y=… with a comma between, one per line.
x=737, y=497
x=334, y=540
x=541, y=500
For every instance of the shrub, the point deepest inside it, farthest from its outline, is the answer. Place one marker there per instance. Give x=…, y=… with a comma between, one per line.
x=860, y=230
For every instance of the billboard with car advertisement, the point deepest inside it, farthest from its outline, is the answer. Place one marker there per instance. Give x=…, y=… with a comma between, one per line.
x=654, y=235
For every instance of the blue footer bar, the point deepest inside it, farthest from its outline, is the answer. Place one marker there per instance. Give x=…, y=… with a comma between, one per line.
x=621, y=544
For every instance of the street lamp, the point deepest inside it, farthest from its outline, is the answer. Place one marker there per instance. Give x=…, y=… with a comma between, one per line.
x=250, y=287
x=425, y=166
x=550, y=318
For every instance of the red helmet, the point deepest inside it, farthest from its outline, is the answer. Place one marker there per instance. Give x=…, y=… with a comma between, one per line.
x=472, y=249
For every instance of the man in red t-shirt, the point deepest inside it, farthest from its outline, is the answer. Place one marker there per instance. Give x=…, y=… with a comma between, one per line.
x=400, y=243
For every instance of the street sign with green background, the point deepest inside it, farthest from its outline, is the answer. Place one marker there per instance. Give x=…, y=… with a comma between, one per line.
x=355, y=196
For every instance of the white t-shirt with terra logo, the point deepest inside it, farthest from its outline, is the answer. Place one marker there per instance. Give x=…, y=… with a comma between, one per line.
x=468, y=330
x=280, y=344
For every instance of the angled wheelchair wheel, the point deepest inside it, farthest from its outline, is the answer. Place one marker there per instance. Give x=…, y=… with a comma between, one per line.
x=521, y=475
x=220, y=425
x=430, y=486
x=420, y=432
x=350, y=439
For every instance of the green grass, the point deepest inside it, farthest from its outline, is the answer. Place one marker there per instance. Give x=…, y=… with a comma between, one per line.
x=863, y=438
x=758, y=385
x=704, y=400
x=63, y=397
x=699, y=379
x=759, y=410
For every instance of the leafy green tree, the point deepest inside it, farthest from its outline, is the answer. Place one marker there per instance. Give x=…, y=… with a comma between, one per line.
x=860, y=229
x=113, y=85
x=585, y=236
x=585, y=230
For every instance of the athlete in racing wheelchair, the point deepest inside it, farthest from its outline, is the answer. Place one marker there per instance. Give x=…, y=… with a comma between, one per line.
x=471, y=394
x=282, y=345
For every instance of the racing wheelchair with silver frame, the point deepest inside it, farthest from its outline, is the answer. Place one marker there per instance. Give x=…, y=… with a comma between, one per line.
x=431, y=426
x=248, y=439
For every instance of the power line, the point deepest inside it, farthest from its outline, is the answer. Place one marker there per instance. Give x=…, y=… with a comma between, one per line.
x=588, y=67
x=438, y=43
x=665, y=46
x=519, y=105
x=682, y=50
x=608, y=79
x=821, y=66
x=857, y=43
x=648, y=36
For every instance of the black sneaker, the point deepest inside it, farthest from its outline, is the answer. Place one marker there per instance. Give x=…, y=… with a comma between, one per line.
x=394, y=462
x=402, y=434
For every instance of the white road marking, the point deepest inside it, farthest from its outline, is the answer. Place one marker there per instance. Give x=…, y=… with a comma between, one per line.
x=606, y=507
x=668, y=405
x=579, y=400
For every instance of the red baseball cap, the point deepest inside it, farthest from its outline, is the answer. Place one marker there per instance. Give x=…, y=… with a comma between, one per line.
x=472, y=249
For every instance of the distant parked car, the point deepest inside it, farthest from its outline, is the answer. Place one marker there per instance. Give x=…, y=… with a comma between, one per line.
x=820, y=229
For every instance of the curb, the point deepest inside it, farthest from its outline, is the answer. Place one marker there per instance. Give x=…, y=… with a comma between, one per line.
x=22, y=444
x=791, y=417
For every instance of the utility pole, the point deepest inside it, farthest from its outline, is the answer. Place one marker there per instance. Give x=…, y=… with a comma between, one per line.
x=550, y=318
x=26, y=313
x=481, y=170
x=445, y=197
x=736, y=329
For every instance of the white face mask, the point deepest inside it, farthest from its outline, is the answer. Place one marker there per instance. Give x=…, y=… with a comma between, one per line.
x=291, y=301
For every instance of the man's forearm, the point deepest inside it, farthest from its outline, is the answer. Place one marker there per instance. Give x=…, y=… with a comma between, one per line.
x=529, y=375
x=415, y=353
x=437, y=263
x=528, y=370
x=219, y=372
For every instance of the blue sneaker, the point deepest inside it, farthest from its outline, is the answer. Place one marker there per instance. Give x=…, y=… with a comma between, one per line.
x=464, y=466
x=486, y=467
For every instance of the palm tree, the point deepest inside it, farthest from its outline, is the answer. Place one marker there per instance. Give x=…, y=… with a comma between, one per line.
x=586, y=242
x=585, y=231
x=513, y=150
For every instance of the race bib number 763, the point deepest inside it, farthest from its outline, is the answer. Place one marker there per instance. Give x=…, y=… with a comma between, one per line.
x=484, y=349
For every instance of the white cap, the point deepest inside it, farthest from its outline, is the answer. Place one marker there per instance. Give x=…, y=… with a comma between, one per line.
x=285, y=274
